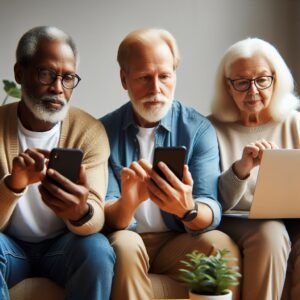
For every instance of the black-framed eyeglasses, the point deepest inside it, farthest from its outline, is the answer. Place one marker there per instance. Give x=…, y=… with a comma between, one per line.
x=244, y=84
x=48, y=77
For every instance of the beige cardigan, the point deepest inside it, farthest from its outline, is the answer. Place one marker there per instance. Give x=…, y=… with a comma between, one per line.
x=78, y=130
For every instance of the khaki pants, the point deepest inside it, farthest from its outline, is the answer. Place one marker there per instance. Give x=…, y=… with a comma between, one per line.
x=292, y=284
x=158, y=253
x=265, y=248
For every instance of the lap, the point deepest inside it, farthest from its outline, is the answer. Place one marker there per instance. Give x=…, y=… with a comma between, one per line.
x=170, y=248
x=163, y=251
x=16, y=264
x=52, y=258
x=240, y=229
x=69, y=251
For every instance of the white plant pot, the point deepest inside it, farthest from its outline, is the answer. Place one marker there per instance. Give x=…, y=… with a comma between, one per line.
x=210, y=297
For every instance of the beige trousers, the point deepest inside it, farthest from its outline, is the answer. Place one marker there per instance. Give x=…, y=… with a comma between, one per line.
x=158, y=253
x=292, y=284
x=265, y=248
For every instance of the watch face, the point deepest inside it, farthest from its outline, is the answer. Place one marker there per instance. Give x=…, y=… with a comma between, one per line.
x=191, y=215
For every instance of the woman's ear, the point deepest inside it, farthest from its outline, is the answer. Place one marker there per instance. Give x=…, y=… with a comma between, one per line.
x=228, y=87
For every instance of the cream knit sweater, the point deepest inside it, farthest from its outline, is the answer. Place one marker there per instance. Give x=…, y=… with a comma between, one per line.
x=232, y=137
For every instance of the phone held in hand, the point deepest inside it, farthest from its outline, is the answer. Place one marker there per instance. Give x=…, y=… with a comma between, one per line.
x=67, y=162
x=173, y=157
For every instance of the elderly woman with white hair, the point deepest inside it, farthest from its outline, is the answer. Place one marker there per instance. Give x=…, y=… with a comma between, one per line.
x=254, y=109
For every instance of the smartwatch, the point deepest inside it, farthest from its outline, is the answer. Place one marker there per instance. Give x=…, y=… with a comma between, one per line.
x=190, y=214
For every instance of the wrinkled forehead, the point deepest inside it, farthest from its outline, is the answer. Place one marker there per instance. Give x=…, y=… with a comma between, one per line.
x=54, y=50
x=149, y=53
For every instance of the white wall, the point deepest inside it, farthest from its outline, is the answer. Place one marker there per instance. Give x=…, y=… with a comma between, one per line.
x=203, y=29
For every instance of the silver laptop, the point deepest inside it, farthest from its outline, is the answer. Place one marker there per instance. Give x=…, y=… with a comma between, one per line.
x=277, y=190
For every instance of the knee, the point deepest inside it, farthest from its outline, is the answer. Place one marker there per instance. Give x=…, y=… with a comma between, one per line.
x=215, y=239
x=95, y=252
x=8, y=248
x=212, y=241
x=126, y=241
x=128, y=246
x=271, y=236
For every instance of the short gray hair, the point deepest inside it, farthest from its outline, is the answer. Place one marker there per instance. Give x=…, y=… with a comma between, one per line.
x=283, y=98
x=28, y=43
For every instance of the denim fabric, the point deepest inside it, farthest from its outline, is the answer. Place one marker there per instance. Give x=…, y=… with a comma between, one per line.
x=82, y=264
x=182, y=126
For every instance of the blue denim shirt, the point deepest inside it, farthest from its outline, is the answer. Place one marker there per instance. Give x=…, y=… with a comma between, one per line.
x=182, y=126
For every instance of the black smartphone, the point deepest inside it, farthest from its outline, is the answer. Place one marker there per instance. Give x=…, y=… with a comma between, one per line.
x=66, y=161
x=173, y=157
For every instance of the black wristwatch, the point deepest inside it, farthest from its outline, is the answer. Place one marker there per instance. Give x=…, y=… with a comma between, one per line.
x=84, y=218
x=190, y=214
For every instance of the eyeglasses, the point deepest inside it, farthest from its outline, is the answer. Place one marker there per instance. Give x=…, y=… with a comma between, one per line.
x=48, y=77
x=244, y=84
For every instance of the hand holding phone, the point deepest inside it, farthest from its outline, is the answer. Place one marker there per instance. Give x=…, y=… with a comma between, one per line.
x=67, y=162
x=173, y=157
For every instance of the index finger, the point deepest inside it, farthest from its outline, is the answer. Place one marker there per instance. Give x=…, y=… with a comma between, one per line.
x=145, y=165
x=170, y=178
x=44, y=152
x=37, y=156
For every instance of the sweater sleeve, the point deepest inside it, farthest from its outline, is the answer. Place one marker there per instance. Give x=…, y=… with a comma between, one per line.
x=8, y=201
x=91, y=226
x=231, y=189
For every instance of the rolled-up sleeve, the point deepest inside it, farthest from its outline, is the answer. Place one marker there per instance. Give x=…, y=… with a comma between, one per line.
x=205, y=169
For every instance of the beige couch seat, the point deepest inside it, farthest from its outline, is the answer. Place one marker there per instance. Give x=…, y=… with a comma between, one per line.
x=41, y=288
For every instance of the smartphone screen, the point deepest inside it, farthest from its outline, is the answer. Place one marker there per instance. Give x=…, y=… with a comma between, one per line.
x=67, y=162
x=173, y=157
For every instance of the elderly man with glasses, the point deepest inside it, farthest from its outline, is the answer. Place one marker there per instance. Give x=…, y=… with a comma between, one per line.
x=51, y=230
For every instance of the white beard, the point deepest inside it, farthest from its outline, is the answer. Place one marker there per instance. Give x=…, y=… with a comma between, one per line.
x=155, y=114
x=41, y=111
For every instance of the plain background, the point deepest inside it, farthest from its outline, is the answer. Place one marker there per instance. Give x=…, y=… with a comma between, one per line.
x=203, y=29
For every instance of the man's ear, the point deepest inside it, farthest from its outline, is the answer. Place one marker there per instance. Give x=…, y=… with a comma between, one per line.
x=123, y=78
x=18, y=73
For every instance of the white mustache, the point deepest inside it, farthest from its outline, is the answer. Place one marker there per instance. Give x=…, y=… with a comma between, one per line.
x=56, y=98
x=154, y=98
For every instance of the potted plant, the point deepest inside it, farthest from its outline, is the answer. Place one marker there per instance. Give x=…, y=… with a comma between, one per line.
x=11, y=90
x=209, y=277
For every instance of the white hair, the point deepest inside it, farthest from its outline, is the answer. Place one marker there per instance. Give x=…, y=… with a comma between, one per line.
x=283, y=97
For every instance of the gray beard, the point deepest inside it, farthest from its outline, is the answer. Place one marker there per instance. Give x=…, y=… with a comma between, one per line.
x=42, y=112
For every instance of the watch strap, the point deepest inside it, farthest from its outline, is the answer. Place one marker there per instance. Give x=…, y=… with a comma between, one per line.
x=85, y=217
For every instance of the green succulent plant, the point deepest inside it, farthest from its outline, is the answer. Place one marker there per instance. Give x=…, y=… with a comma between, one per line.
x=11, y=90
x=209, y=275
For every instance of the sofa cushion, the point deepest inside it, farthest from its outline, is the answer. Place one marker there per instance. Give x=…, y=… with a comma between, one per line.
x=43, y=288
x=36, y=289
